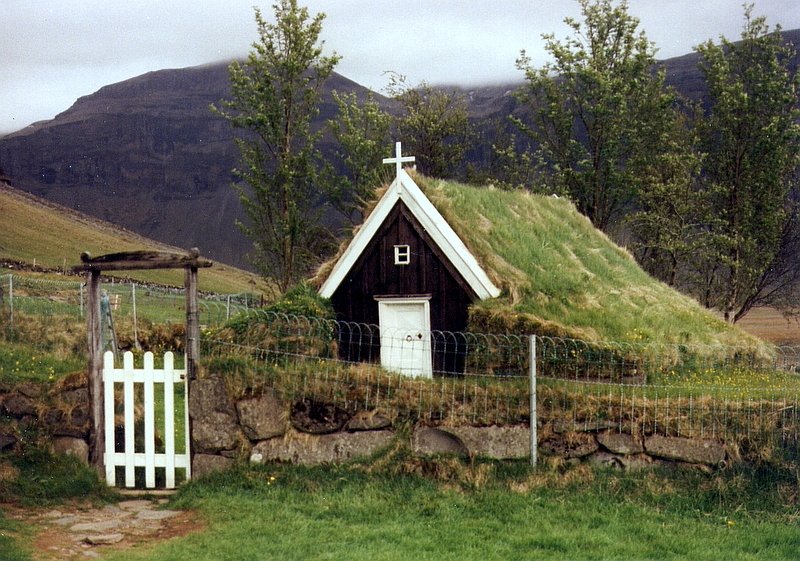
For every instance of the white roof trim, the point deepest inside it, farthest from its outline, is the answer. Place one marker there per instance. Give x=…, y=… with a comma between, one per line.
x=404, y=189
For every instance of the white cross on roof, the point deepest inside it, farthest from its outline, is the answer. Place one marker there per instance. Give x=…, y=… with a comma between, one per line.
x=398, y=159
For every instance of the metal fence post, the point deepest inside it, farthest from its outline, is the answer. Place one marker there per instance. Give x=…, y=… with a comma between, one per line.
x=533, y=421
x=136, y=344
x=11, y=299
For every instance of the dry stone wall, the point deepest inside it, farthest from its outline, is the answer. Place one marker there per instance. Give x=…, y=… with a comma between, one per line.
x=264, y=428
x=30, y=412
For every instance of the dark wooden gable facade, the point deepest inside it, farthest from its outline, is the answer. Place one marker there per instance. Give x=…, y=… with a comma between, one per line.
x=429, y=273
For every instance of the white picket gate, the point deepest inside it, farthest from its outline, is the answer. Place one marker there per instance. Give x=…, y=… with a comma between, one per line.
x=132, y=458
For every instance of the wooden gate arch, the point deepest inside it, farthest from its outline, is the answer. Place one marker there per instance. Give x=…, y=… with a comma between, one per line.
x=190, y=262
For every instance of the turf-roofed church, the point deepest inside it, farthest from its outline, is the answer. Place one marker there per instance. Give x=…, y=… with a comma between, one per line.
x=407, y=271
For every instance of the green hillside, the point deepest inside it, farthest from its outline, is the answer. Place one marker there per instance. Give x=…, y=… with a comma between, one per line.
x=53, y=237
x=560, y=276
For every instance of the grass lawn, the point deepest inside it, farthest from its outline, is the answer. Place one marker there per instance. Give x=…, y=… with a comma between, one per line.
x=21, y=363
x=287, y=513
x=10, y=543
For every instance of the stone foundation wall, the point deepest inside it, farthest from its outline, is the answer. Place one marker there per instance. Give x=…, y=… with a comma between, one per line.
x=29, y=412
x=266, y=429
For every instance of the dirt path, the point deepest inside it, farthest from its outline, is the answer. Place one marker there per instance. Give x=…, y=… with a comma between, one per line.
x=81, y=531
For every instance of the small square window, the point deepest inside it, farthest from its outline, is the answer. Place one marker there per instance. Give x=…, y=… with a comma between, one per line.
x=402, y=255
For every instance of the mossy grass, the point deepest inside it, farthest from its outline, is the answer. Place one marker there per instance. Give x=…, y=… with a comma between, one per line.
x=40, y=478
x=13, y=534
x=20, y=363
x=562, y=277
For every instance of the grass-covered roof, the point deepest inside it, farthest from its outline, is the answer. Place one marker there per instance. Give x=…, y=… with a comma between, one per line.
x=561, y=276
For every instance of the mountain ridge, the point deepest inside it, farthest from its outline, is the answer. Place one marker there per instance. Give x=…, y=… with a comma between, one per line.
x=148, y=154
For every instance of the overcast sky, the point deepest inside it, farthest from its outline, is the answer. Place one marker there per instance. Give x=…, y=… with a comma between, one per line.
x=54, y=51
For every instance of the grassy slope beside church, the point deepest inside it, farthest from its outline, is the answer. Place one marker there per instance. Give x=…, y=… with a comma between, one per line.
x=32, y=229
x=560, y=276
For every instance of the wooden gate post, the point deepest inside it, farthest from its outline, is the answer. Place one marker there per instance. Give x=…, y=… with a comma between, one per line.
x=192, y=348
x=97, y=444
x=192, y=323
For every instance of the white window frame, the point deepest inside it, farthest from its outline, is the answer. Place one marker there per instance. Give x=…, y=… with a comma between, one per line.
x=402, y=254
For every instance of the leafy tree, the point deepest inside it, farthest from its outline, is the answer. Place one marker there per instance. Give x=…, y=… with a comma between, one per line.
x=751, y=138
x=361, y=132
x=779, y=284
x=275, y=94
x=590, y=103
x=434, y=126
x=671, y=216
x=513, y=167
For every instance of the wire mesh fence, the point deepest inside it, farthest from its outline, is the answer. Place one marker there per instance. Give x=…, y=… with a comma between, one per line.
x=20, y=294
x=745, y=400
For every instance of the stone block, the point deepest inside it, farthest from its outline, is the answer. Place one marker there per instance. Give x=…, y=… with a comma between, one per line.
x=69, y=446
x=499, y=443
x=209, y=395
x=79, y=416
x=428, y=441
x=367, y=420
x=203, y=464
x=605, y=460
x=17, y=405
x=569, y=446
x=561, y=426
x=215, y=431
x=707, y=452
x=262, y=417
x=54, y=418
x=307, y=449
x=78, y=396
x=620, y=443
x=31, y=390
x=638, y=462
x=316, y=417
x=103, y=539
x=7, y=441
x=75, y=423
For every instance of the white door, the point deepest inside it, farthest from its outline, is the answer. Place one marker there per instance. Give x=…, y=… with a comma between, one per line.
x=406, y=335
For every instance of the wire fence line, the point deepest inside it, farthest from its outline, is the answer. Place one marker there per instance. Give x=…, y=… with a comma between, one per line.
x=127, y=300
x=506, y=355
x=750, y=402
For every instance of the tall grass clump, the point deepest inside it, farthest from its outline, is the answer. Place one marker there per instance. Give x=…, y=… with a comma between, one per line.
x=35, y=477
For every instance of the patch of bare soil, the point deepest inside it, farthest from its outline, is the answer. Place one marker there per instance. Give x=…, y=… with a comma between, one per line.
x=771, y=325
x=83, y=531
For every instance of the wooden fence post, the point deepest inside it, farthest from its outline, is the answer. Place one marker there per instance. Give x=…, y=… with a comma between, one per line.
x=192, y=351
x=192, y=323
x=95, y=374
